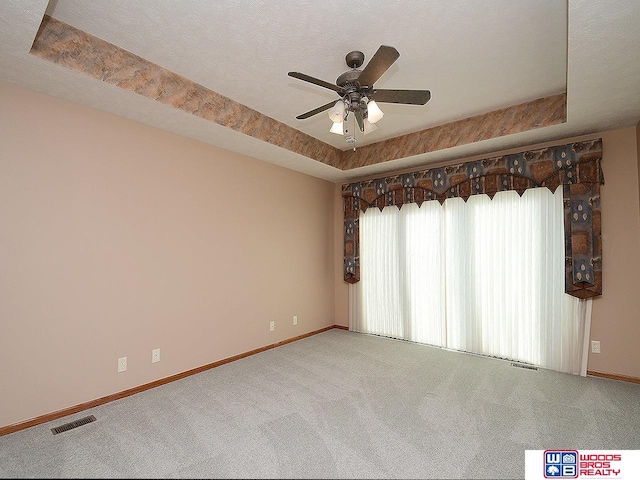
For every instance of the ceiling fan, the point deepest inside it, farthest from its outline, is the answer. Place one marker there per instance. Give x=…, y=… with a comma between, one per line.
x=358, y=95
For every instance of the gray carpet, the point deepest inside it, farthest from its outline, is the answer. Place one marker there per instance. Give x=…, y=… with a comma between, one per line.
x=337, y=405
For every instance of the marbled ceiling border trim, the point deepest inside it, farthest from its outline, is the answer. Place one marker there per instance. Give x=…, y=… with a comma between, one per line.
x=64, y=45
x=542, y=112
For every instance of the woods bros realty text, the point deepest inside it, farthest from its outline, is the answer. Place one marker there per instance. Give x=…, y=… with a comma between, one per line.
x=602, y=465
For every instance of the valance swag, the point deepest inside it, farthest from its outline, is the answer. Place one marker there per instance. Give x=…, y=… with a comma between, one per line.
x=575, y=166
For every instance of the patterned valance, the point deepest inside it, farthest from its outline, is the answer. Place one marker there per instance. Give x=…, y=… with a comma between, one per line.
x=575, y=166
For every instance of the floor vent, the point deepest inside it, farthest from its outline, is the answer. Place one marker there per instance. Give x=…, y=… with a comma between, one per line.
x=521, y=365
x=74, y=424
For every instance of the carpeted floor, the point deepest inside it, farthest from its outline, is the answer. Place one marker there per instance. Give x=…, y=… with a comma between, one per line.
x=337, y=405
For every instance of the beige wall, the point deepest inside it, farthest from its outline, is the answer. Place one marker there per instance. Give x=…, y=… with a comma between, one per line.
x=616, y=314
x=111, y=245
x=638, y=152
x=341, y=315
x=117, y=238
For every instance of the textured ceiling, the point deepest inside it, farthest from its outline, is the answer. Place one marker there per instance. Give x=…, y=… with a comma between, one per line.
x=474, y=57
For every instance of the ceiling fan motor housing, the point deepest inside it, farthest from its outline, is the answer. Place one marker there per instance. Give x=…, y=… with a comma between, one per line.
x=349, y=78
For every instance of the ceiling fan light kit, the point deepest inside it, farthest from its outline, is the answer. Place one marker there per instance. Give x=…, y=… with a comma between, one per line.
x=336, y=114
x=358, y=96
x=337, y=128
x=374, y=114
x=368, y=126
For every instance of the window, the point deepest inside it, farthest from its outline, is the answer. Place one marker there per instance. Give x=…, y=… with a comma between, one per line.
x=485, y=276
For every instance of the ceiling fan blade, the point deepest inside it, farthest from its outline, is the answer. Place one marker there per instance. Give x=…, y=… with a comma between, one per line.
x=379, y=63
x=360, y=119
x=410, y=97
x=315, y=81
x=311, y=113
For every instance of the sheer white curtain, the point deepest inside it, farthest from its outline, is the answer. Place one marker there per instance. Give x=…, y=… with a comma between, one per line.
x=485, y=276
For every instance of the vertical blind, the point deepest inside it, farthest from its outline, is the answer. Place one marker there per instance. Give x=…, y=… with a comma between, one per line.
x=483, y=276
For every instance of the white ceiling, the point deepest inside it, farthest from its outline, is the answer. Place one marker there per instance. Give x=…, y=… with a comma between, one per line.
x=474, y=57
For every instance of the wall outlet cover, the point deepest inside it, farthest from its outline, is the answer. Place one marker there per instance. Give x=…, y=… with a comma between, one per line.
x=122, y=364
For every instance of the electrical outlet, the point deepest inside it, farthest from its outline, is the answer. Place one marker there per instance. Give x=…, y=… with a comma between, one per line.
x=155, y=355
x=295, y=319
x=272, y=326
x=595, y=346
x=122, y=364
